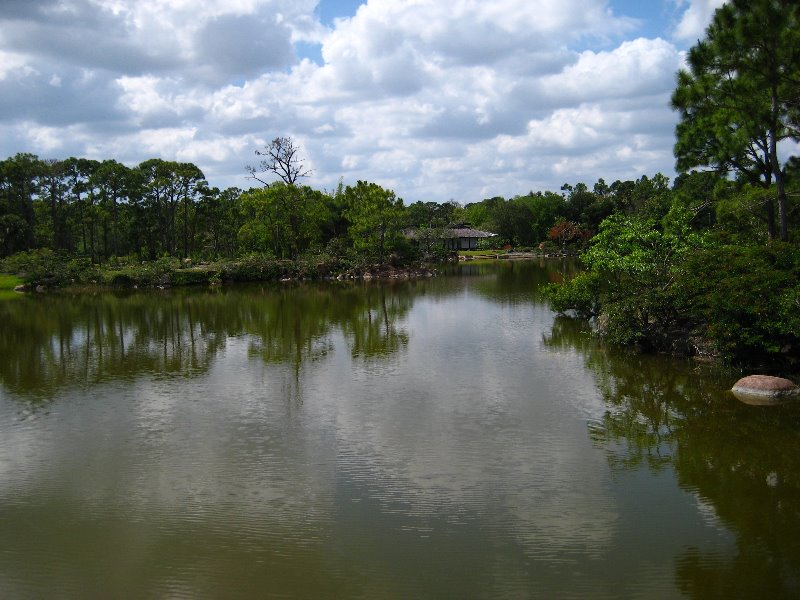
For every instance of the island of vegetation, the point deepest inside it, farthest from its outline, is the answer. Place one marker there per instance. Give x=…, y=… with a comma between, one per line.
x=707, y=264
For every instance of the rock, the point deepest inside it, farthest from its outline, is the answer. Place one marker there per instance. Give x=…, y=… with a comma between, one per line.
x=765, y=389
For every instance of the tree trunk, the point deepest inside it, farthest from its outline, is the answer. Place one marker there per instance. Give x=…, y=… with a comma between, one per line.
x=83, y=223
x=776, y=167
x=54, y=215
x=114, y=224
x=91, y=238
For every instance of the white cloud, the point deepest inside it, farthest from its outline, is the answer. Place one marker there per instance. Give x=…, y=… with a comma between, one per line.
x=696, y=18
x=47, y=138
x=13, y=63
x=438, y=100
x=636, y=68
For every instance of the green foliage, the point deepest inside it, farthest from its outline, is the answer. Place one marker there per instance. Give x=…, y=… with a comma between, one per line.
x=633, y=265
x=738, y=99
x=26, y=262
x=29, y=265
x=45, y=267
x=741, y=215
x=513, y=221
x=406, y=253
x=14, y=233
x=429, y=242
x=258, y=267
x=19, y=182
x=253, y=236
x=263, y=267
x=191, y=276
x=546, y=210
x=640, y=250
x=284, y=219
x=668, y=287
x=376, y=219
x=434, y=215
x=478, y=214
x=749, y=308
x=103, y=209
x=487, y=244
x=153, y=273
x=580, y=294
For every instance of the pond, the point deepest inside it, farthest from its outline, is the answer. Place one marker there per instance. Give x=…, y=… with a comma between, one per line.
x=438, y=438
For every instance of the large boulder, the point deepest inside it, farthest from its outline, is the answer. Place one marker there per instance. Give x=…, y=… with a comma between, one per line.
x=765, y=389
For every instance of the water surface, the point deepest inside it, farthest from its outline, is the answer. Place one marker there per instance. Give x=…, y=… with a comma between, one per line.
x=428, y=439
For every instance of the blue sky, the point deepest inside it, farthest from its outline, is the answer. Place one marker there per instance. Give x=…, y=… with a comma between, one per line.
x=328, y=10
x=460, y=100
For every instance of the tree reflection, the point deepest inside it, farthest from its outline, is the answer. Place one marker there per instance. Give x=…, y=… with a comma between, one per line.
x=516, y=281
x=49, y=342
x=371, y=329
x=740, y=460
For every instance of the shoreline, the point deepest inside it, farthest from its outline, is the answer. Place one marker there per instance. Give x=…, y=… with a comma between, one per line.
x=516, y=256
x=163, y=273
x=228, y=273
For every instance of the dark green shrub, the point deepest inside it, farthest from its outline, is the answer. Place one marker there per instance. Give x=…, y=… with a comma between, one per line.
x=404, y=252
x=45, y=267
x=81, y=270
x=120, y=279
x=191, y=276
x=746, y=298
x=257, y=267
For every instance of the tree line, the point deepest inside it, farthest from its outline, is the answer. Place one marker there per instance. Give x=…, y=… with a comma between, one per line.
x=104, y=209
x=100, y=209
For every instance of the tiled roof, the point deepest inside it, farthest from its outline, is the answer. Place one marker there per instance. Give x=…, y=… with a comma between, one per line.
x=465, y=232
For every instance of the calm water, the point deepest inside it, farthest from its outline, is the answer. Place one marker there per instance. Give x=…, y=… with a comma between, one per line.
x=444, y=438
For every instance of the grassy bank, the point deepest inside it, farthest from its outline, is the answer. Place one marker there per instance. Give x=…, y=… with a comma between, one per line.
x=9, y=282
x=7, y=285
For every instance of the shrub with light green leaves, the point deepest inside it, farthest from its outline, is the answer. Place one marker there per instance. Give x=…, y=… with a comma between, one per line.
x=633, y=265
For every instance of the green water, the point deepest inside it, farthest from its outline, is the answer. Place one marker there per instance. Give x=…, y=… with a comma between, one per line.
x=442, y=438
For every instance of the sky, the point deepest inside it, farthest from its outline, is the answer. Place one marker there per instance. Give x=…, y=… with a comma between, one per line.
x=458, y=100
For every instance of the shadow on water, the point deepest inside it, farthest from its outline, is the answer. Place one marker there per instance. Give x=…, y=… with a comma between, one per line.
x=741, y=461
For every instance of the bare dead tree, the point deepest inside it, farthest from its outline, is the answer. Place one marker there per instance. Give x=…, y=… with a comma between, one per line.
x=281, y=157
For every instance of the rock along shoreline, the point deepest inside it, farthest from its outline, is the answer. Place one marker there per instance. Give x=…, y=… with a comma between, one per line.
x=765, y=390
